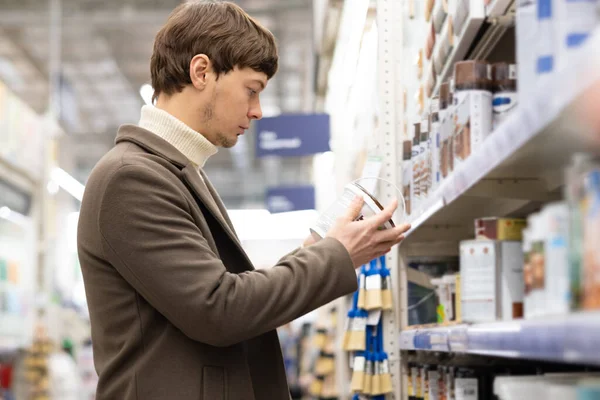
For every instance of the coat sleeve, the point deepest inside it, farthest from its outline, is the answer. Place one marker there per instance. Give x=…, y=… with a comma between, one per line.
x=149, y=236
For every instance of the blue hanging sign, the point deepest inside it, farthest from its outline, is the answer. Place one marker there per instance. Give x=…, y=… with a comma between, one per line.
x=290, y=198
x=293, y=135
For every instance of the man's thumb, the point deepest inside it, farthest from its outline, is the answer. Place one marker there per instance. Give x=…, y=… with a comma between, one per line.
x=354, y=209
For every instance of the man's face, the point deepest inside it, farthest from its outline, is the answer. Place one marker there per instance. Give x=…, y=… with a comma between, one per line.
x=234, y=101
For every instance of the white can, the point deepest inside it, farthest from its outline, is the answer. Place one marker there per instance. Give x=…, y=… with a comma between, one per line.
x=370, y=208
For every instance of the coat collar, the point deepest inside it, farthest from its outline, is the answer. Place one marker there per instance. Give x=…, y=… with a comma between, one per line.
x=158, y=146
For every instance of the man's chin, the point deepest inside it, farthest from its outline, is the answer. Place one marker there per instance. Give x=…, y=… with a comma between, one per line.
x=227, y=142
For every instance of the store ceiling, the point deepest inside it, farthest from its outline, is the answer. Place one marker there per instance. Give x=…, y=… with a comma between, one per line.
x=105, y=49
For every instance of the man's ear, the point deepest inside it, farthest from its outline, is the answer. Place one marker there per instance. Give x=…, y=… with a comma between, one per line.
x=200, y=68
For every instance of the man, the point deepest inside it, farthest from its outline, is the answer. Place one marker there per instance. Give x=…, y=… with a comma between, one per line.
x=177, y=310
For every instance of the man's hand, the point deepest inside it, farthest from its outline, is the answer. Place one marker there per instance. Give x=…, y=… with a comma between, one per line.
x=308, y=241
x=363, y=239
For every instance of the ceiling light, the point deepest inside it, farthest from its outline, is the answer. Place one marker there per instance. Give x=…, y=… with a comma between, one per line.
x=68, y=183
x=147, y=92
x=52, y=187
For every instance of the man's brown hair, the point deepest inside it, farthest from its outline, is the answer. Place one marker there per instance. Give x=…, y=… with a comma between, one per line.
x=221, y=30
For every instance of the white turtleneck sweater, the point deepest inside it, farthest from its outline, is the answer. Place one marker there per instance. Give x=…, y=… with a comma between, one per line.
x=190, y=143
x=193, y=145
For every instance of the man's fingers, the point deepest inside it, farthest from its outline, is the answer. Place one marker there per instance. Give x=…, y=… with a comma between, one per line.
x=354, y=209
x=385, y=215
x=391, y=234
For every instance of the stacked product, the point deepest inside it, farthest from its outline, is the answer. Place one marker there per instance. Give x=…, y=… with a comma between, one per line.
x=448, y=291
x=547, y=34
x=478, y=98
x=323, y=358
x=445, y=382
x=492, y=286
x=364, y=334
x=572, y=386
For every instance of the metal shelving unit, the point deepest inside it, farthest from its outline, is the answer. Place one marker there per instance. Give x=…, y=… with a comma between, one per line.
x=519, y=167
x=564, y=339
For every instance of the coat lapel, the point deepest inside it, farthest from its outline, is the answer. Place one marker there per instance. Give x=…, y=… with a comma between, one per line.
x=204, y=191
x=218, y=201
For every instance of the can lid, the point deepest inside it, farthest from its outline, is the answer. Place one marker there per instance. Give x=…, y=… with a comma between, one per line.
x=417, y=130
x=471, y=74
x=444, y=95
x=406, y=149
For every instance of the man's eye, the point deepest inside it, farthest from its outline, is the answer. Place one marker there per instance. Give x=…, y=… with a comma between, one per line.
x=252, y=92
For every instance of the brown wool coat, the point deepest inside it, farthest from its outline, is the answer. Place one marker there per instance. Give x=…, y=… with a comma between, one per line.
x=177, y=310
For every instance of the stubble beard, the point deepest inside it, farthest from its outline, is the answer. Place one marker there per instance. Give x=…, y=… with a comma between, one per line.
x=221, y=139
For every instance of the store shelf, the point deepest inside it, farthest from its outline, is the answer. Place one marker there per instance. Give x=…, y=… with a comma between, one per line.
x=462, y=41
x=523, y=161
x=571, y=339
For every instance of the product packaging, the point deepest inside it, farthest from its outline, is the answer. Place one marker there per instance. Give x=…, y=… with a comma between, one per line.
x=440, y=12
x=445, y=47
x=410, y=381
x=537, y=265
x=433, y=384
x=446, y=292
x=430, y=41
x=491, y=280
x=407, y=174
x=504, y=99
x=373, y=298
x=573, y=22
x=442, y=372
x=425, y=381
x=415, y=184
x=426, y=160
x=591, y=240
x=386, y=280
x=461, y=13
x=435, y=137
x=526, y=41
x=545, y=42
x=430, y=80
x=428, y=9
x=575, y=194
x=457, y=299
x=446, y=129
x=358, y=372
x=450, y=384
x=466, y=385
x=494, y=228
x=557, y=260
x=473, y=108
x=419, y=62
x=528, y=306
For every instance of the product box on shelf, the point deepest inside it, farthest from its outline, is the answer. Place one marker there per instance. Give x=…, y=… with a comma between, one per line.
x=439, y=14
x=504, y=99
x=491, y=276
x=415, y=185
x=426, y=160
x=591, y=240
x=460, y=13
x=526, y=41
x=435, y=136
x=446, y=129
x=472, y=107
x=573, y=22
x=407, y=175
x=445, y=47
x=545, y=44
x=556, y=258
x=494, y=228
x=546, y=266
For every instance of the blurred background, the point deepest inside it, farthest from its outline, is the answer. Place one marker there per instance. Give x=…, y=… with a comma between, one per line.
x=73, y=71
